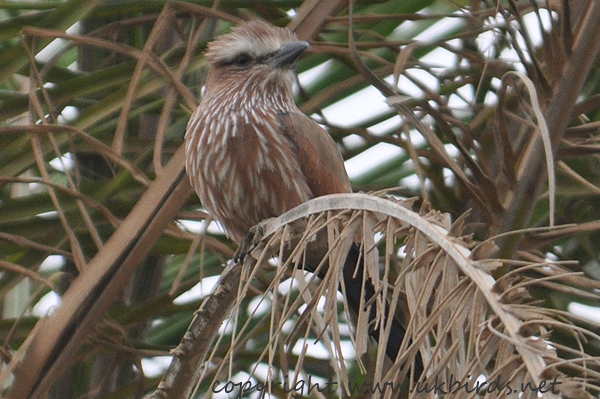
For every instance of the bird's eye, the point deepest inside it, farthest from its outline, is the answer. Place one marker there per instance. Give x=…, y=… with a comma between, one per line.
x=243, y=60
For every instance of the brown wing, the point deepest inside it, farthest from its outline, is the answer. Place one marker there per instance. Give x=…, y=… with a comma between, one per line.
x=317, y=154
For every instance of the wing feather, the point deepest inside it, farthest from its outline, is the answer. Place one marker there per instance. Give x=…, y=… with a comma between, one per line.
x=317, y=154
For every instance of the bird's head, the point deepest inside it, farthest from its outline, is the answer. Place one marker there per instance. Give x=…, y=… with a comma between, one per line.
x=254, y=56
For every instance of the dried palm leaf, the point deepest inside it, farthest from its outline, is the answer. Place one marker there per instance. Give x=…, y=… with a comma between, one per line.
x=476, y=335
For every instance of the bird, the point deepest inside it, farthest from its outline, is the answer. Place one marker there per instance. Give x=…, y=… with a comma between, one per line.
x=251, y=154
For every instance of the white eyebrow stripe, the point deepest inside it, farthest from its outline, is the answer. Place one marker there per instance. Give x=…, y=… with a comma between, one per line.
x=249, y=45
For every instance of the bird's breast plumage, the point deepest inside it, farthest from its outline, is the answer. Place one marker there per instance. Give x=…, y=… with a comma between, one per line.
x=242, y=165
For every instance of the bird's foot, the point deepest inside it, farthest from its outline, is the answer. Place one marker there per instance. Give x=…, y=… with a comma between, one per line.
x=255, y=234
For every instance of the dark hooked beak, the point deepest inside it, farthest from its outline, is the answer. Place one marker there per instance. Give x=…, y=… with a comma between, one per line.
x=287, y=54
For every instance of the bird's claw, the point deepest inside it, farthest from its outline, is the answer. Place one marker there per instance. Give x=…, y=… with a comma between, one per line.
x=255, y=234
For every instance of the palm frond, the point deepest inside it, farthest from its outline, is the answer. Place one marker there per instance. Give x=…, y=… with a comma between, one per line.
x=475, y=334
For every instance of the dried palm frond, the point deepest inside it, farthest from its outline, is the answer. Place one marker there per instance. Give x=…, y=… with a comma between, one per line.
x=475, y=334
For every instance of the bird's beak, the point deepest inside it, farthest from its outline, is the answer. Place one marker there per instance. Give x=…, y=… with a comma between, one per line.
x=287, y=54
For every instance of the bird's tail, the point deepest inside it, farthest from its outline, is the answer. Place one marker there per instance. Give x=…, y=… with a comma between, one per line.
x=352, y=289
x=355, y=286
